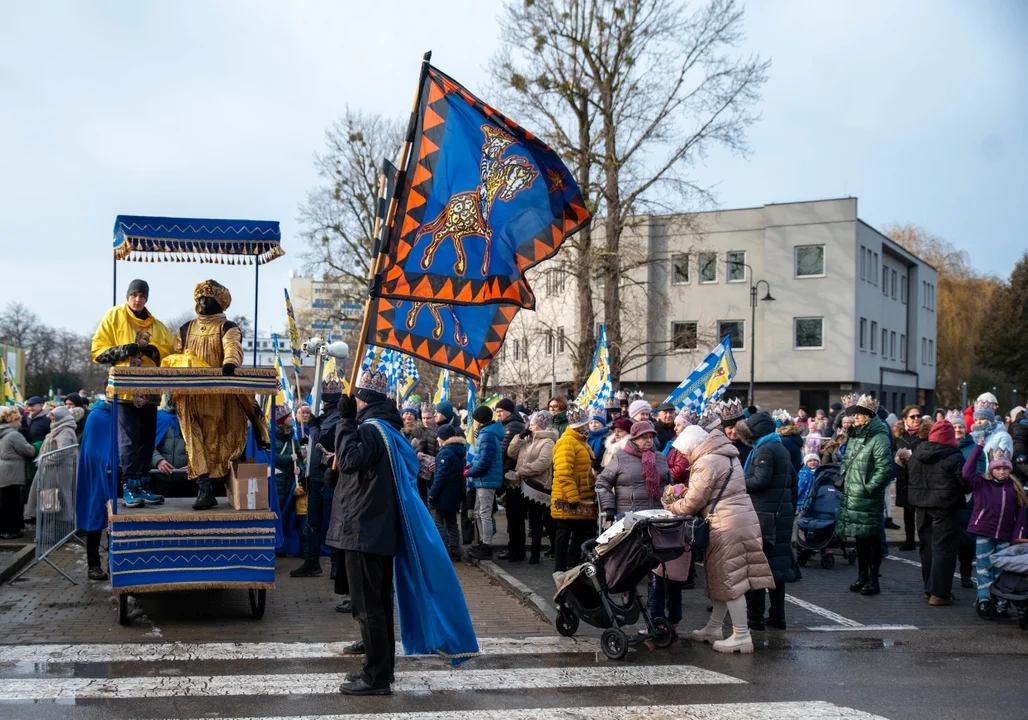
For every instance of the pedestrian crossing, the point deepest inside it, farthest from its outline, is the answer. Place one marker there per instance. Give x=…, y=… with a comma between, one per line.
x=557, y=678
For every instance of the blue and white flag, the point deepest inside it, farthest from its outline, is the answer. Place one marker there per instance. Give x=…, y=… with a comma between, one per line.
x=411, y=376
x=598, y=387
x=708, y=381
x=442, y=388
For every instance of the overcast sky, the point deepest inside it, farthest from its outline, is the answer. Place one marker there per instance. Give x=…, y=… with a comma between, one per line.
x=214, y=109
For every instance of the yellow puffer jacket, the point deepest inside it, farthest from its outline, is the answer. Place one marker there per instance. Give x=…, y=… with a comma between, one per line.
x=573, y=479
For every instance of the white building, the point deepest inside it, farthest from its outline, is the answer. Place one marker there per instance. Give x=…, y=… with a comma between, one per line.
x=318, y=306
x=266, y=351
x=851, y=310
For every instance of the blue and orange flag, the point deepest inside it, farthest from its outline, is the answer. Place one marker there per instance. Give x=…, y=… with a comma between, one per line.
x=479, y=201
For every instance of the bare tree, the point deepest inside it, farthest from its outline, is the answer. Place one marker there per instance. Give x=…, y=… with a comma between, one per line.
x=642, y=89
x=338, y=216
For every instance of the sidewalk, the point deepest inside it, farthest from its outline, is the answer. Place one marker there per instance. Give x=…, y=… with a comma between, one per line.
x=43, y=607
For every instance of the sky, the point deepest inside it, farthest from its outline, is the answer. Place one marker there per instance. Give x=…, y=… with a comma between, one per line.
x=216, y=108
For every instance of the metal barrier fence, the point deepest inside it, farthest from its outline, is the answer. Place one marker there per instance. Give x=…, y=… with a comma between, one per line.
x=53, y=499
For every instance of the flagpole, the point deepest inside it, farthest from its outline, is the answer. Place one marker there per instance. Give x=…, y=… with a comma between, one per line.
x=401, y=178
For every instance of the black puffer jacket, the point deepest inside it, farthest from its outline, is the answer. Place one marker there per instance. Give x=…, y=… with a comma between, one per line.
x=935, y=477
x=909, y=441
x=1019, y=436
x=512, y=427
x=365, y=514
x=771, y=483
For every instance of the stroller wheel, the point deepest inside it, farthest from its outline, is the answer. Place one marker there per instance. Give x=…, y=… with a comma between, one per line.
x=827, y=561
x=802, y=558
x=567, y=623
x=664, y=633
x=614, y=643
x=986, y=609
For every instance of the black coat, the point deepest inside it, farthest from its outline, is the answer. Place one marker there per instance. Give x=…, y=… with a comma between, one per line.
x=36, y=429
x=323, y=433
x=448, y=484
x=665, y=434
x=512, y=426
x=793, y=442
x=366, y=517
x=908, y=441
x=771, y=483
x=1019, y=436
x=935, y=477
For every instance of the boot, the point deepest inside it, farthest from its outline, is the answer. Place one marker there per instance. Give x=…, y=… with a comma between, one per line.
x=861, y=569
x=709, y=633
x=482, y=552
x=204, y=494
x=151, y=498
x=130, y=497
x=872, y=587
x=309, y=568
x=739, y=642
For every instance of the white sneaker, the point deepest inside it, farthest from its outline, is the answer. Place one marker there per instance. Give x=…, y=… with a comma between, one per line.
x=710, y=633
x=739, y=642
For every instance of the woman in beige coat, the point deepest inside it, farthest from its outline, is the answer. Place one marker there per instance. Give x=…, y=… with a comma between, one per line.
x=533, y=449
x=734, y=560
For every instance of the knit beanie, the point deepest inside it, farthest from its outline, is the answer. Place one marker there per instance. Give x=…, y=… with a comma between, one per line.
x=505, y=404
x=810, y=456
x=483, y=414
x=600, y=419
x=942, y=432
x=60, y=413
x=541, y=419
x=410, y=409
x=623, y=424
x=446, y=432
x=637, y=407
x=138, y=286
x=1000, y=462
x=445, y=408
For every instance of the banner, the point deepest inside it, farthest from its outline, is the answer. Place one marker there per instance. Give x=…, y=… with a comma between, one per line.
x=708, y=381
x=442, y=388
x=598, y=387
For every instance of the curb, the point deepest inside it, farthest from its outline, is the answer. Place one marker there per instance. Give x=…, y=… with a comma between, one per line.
x=21, y=558
x=542, y=606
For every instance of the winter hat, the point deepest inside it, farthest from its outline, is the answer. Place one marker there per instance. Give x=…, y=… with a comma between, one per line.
x=983, y=410
x=577, y=416
x=281, y=413
x=76, y=399
x=640, y=429
x=623, y=424
x=34, y=400
x=523, y=409
x=483, y=415
x=637, y=407
x=955, y=418
x=987, y=398
x=999, y=445
x=689, y=440
x=682, y=421
x=599, y=418
x=372, y=385
x=445, y=408
x=942, y=432
x=138, y=286
x=505, y=404
x=446, y=431
x=730, y=411
x=410, y=409
x=541, y=419
x=1000, y=462
x=865, y=405
x=666, y=406
x=1017, y=413
x=811, y=456
x=77, y=413
x=60, y=413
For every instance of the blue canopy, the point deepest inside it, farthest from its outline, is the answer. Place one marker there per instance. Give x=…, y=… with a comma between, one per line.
x=231, y=242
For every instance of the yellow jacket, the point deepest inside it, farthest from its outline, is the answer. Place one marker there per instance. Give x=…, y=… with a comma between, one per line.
x=120, y=327
x=573, y=480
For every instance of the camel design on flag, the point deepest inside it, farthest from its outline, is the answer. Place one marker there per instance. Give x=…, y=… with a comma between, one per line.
x=467, y=213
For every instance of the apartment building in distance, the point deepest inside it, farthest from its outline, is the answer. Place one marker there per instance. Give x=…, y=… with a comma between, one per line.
x=318, y=307
x=840, y=308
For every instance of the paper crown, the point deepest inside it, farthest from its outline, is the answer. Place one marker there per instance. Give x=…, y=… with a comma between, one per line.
x=956, y=417
x=577, y=415
x=987, y=398
x=374, y=380
x=281, y=412
x=868, y=403
x=612, y=403
x=709, y=418
x=428, y=408
x=984, y=409
x=850, y=400
x=331, y=386
x=781, y=415
x=999, y=446
x=728, y=410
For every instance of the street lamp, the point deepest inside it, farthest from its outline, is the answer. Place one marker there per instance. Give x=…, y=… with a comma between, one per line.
x=753, y=319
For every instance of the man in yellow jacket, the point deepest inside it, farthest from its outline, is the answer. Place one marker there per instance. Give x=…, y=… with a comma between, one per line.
x=130, y=335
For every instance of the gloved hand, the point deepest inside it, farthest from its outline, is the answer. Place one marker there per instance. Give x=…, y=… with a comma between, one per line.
x=525, y=434
x=228, y=369
x=608, y=520
x=465, y=472
x=132, y=349
x=347, y=407
x=151, y=352
x=331, y=477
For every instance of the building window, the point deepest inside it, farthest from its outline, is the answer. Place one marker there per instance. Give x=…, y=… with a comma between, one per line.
x=903, y=348
x=931, y=352
x=560, y=341
x=885, y=343
x=863, y=334
x=892, y=345
x=735, y=328
x=809, y=333
x=683, y=336
x=708, y=268
x=924, y=351
x=735, y=267
x=556, y=281
x=810, y=261
x=892, y=289
x=903, y=289
x=517, y=349
x=874, y=334
x=885, y=280
x=875, y=274
x=679, y=269
x=863, y=263
x=549, y=342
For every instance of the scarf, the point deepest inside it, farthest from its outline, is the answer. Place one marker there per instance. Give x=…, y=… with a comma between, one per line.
x=50, y=441
x=595, y=439
x=769, y=438
x=649, y=463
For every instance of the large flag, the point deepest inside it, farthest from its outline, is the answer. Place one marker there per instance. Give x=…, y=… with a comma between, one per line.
x=294, y=335
x=479, y=202
x=9, y=391
x=708, y=381
x=442, y=388
x=598, y=387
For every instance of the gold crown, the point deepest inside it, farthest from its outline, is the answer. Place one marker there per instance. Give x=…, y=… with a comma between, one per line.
x=868, y=403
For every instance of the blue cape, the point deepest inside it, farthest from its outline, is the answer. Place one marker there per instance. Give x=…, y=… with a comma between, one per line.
x=96, y=484
x=165, y=421
x=434, y=618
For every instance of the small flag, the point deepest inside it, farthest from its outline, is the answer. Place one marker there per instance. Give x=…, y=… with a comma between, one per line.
x=294, y=334
x=708, y=381
x=598, y=387
x=442, y=388
x=411, y=377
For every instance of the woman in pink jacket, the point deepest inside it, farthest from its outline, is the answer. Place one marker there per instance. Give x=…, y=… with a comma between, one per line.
x=734, y=561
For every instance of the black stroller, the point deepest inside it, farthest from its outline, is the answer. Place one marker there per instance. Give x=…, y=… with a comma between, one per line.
x=1011, y=585
x=816, y=526
x=602, y=591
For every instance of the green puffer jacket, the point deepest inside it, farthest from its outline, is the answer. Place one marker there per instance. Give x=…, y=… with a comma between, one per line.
x=867, y=469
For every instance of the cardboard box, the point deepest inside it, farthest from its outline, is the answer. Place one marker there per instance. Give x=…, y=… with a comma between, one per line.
x=247, y=486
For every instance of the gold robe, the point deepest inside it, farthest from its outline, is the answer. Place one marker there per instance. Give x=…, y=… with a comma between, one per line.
x=214, y=427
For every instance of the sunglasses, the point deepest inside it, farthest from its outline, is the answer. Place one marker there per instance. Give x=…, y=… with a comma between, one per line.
x=913, y=417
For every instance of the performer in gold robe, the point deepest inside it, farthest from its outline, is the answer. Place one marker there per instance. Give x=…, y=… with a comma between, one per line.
x=214, y=427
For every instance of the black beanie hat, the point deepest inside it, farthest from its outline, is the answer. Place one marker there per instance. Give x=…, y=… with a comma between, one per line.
x=446, y=431
x=505, y=404
x=483, y=414
x=138, y=286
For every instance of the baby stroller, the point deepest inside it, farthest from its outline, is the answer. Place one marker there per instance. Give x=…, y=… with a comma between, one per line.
x=820, y=515
x=602, y=591
x=1012, y=583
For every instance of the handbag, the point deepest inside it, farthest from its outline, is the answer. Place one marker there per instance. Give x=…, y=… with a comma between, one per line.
x=50, y=500
x=697, y=528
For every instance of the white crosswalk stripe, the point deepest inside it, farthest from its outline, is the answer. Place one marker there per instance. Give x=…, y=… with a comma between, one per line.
x=722, y=711
x=328, y=683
